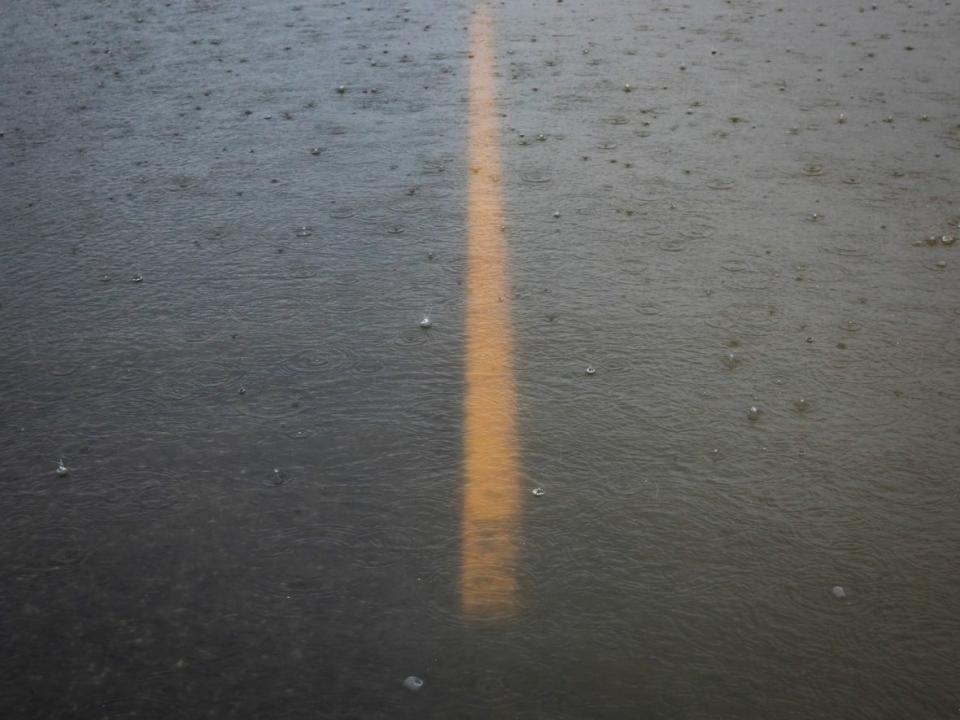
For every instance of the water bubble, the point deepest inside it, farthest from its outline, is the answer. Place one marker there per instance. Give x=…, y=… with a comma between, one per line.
x=841, y=118
x=277, y=478
x=731, y=360
x=556, y=213
x=812, y=170
x=627, y=87
x=315, y=150
x=105, y=278
x=535, y=177
x=541, y=137
x=304, y=231
x=852, y=326
x=838, y=592
x=62, y=470
x=241, y=390
x=413, y=683
x=753, y=413
x=342, y=213
x=948, y=239
x=888, y=119
x=815, y=217
x=720, y=183
x=538, y=491
x=802, y=405
x=591, y=370
x=426, y=323
x=341, y=89
x=941, y=264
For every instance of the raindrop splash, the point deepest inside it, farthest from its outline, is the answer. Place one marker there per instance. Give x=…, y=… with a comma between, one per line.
x=413, y=683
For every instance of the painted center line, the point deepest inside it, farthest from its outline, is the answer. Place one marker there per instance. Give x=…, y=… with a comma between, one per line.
x=491, y=503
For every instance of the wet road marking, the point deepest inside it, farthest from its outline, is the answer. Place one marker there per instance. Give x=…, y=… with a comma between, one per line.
x=491, y=501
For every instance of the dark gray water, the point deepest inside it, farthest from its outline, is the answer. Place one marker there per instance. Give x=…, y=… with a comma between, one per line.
x=262, y=511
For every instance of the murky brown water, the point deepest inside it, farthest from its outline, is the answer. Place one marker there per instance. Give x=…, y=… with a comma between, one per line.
x=262, y=516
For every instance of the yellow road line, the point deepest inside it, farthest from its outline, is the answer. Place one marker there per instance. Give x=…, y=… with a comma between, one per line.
x=491, y=503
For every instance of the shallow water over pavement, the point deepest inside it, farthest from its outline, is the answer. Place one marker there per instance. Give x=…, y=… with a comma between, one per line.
x=262, y=515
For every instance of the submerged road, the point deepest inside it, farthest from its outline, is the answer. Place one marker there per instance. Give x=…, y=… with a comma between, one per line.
x=691, y=271
x=491, y=498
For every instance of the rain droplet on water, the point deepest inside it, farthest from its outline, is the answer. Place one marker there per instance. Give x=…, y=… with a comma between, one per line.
x=753, y=413
x=591, y=370
x=802, y=405
x=413, y=683
x=304, y=231
x=731, y=360
x=426, y=323
x=838, y=592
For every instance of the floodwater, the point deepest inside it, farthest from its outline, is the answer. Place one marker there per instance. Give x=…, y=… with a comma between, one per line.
x=220, y=227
